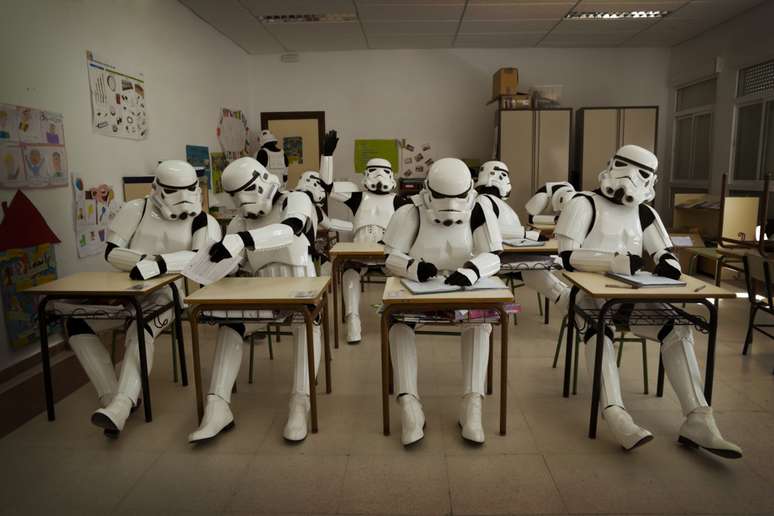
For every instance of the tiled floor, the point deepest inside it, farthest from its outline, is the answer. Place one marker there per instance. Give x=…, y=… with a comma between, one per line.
x=544, y=465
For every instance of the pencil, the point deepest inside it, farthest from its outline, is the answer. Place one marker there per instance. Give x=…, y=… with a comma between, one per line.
x=618, y=286
x=699, y=288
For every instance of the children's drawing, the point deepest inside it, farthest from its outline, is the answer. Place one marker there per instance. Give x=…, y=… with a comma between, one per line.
x=29, y=125
x=11, y=166
x=294, y=149
x=9, y=123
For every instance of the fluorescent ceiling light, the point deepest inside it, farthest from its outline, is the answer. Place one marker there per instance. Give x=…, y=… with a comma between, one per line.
x=307, y=18
x=614, y=15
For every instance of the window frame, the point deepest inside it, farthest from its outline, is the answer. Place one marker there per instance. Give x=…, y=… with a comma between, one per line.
x=693, y=113
x=765, y=99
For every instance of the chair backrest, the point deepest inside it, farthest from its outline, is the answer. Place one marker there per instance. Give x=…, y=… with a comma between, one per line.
x=757, y=272
x=740, y=217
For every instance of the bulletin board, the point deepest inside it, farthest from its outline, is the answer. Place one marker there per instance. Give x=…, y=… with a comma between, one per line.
x=32, y=148
x=300, y=135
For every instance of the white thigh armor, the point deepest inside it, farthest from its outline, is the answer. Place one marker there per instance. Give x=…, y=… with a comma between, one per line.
x=616, y=228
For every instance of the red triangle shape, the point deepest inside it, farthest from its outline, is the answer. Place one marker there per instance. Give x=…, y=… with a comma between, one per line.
x=23, y=225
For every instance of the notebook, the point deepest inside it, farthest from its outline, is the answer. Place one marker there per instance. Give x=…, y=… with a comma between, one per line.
x=524, y=242
x=644, y=279
x=436, y=285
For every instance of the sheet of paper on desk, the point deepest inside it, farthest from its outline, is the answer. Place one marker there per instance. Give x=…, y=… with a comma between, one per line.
x=646, y=279
x=437, y=285
x=201, y=270
x=523, y=242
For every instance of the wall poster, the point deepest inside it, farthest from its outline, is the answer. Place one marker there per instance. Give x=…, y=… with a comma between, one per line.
x=117, y=100
x=94, y=208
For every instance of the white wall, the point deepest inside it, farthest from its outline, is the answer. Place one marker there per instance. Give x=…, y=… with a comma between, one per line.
x=438, y=96
x=743, y=41
x=191, y=71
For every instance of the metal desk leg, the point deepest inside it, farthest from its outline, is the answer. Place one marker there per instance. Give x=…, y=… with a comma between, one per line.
x=146, y=396
x=503, y=369
x=570, y=341
x=660, y=377
x=310, y=359
x=194, y=319
x=711, y=341
x=179, y=334
x=597, y=379
x=326, y=343
x=385, y=371
x=335, y=287
x=489, y=366
x=43, y=328
x=546, y=310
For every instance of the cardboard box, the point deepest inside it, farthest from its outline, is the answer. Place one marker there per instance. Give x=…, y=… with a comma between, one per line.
x=505, y=82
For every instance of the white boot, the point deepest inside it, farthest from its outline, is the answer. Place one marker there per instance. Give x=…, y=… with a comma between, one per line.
x=412, y=420
x=301, y=368
x=225, y=368
x=470, y=418
x=700, y=430
x=113, y=417
x=625, y=431
x=298, y=418
x=351, y=285
x=682, y=369
x=95, y=360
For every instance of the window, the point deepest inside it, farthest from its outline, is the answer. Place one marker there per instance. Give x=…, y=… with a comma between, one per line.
x=692, y=150
x=753, y=156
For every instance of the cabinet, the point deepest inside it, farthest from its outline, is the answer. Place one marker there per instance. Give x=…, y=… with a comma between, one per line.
x=535, y=144
x=602, y=131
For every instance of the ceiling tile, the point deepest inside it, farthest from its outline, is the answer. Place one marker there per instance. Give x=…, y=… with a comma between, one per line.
x=524, y=39
x=231, y=19
x=410, y=41
x=721, y=10
x=610, y=39
x=629, y=5
x=517, y=11
x=410, y=27
x=392, y=11
x=486, y=27
x=319, y=36
x=270, y=7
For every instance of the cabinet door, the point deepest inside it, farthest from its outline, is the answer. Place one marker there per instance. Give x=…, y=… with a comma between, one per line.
x=516, y=151
x=639, y=127
x=600, y=137
x=553, y=146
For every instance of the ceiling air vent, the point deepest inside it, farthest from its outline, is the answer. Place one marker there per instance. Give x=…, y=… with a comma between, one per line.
x=756, y=79
x=307, y=18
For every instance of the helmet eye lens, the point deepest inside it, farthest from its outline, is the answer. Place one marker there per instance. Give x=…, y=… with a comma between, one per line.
x=192, y=188
x=644, y=174
x=169, y=191
x=620, y=164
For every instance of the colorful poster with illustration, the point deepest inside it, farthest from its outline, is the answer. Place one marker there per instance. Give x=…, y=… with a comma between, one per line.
x=117, y=100
x=95, y=207
x=232, y=134
x=29, y=125
x=218, y=163
x=21, y=269
x=198, y=156
x=9, y=123
x=294, y=149
x=11, y=166
x=32, y=149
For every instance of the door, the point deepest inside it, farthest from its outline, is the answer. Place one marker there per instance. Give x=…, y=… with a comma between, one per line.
x=553, y=147
x=516, y=151
x=600, y=139
x=639, y=127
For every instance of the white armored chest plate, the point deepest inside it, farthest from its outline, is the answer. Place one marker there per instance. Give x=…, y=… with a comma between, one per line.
x=157, y=235
x=510, y=225
x=374, y=210
x=446, y=247
x=296, y=254
x=616, y=228
x=276, y=164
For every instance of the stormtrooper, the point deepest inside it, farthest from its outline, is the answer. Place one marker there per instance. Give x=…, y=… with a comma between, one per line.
x=262, y=207
x=607, y=231
x=272, y=157
x=545, y=206
x=494, y=186
x=148, y=237
x=443, y=232
x=372, y=209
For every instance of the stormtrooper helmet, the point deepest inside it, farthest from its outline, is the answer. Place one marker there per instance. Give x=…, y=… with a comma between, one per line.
x=266, y=137
x=448, y=193
x=378, y=176
x=311, y=183
x=176, y=191
x=630, y=176
x=251, y=186
x=493, y=178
